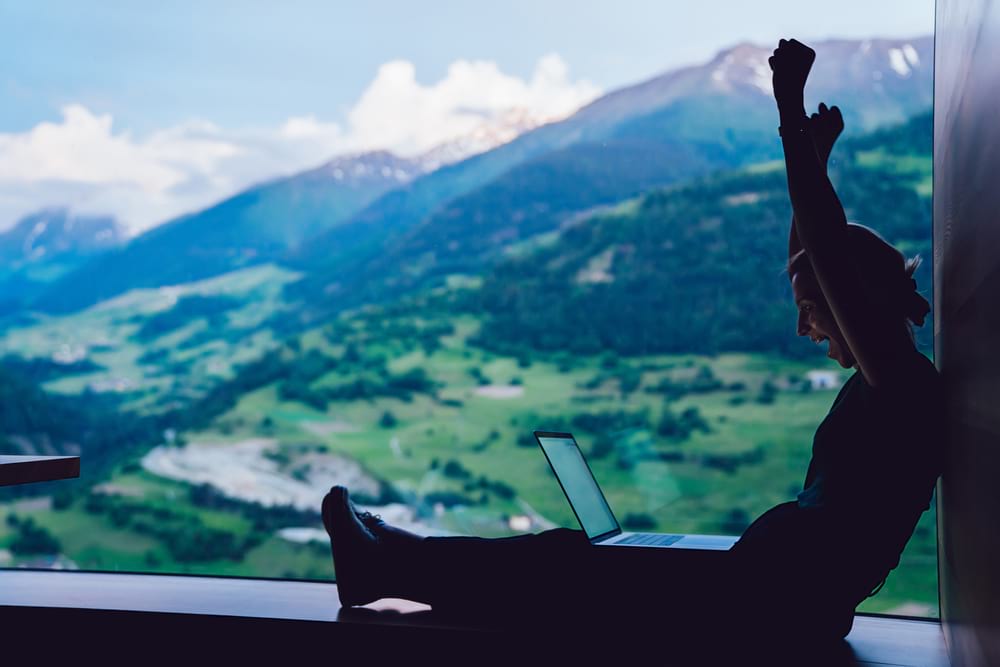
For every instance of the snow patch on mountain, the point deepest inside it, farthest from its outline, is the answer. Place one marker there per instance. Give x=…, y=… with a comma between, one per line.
x=354, y=170
x=762, y=77
x=55, y=232
x=743, y=66
x=496, y=131
x=898, y=62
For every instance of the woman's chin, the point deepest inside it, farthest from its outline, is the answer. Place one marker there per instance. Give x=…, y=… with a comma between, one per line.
x=836, y=353
x=843, y=362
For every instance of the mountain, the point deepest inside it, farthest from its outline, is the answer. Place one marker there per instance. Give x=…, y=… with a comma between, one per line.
x=45, y=245
x=680, y=125
x=252, y=227
x=877, y=82
x=383, y=235
x=697, y=268
x=268, y=220
x=53, y=234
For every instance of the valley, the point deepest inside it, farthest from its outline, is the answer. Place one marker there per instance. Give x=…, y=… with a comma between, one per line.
x=402, y=328
x=688, y=443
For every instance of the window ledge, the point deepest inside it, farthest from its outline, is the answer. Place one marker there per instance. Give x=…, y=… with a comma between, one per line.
x=873, y=640
x=172, y=594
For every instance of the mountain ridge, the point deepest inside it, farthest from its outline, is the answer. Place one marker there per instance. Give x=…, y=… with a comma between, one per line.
x=331, y=236
x=717, y=115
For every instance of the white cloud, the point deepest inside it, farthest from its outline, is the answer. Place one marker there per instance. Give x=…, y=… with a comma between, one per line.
x=399, y=113
x=85, y=162
x=81, y=149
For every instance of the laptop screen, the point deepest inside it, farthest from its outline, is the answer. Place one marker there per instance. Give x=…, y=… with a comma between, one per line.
x=578, y=483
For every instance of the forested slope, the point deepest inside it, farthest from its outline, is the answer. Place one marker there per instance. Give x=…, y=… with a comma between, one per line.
x=699, y=267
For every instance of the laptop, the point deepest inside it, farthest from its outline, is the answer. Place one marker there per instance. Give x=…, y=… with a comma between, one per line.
x=592, y=509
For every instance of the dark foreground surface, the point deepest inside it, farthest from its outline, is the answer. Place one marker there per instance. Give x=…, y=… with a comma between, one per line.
x=135, y=618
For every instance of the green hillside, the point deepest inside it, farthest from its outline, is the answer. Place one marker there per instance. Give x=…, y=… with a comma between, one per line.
x=532, y=198
x=698, y=267
x=36, y=422
x=710, y=116
x=363, y=259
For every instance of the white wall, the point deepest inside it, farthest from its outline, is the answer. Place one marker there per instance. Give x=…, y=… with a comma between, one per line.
x=967, y=322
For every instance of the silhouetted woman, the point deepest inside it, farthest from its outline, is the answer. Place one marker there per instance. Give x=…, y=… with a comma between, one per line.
x=802, y=567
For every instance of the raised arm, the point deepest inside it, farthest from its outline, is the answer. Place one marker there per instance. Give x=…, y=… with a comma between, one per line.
x=821, y=226
x=825, y=125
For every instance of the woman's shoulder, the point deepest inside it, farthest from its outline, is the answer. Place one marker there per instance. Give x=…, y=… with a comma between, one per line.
x=916, y=387
x=915, y=372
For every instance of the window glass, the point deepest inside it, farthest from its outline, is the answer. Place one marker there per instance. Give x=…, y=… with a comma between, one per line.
x=251, y=253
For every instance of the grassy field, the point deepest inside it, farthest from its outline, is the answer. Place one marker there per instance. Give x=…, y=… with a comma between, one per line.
x=460, y=458
x=181, y=364
x=918, y=167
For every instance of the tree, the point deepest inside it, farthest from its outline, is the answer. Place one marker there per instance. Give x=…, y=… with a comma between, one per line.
x=387, y=420
x=61, y=500
x=767, y=393
x=32, y=539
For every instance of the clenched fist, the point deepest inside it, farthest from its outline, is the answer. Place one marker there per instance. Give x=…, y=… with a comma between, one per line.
x=790, y=65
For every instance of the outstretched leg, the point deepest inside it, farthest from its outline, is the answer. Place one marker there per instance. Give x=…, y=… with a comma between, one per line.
x=373, y=560
x=556, y=574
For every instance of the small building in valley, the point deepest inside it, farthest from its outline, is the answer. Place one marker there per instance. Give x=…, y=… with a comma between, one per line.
x=823, y=379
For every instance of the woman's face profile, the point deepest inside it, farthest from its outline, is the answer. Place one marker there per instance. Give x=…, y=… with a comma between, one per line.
x=816, y=321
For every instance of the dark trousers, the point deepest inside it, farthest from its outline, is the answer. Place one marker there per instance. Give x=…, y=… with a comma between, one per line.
x=786, y=573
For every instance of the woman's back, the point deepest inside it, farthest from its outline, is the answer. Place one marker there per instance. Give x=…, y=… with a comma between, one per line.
x=876, y=457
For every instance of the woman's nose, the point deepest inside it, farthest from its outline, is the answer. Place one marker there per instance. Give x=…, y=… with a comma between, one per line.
x=802, y=326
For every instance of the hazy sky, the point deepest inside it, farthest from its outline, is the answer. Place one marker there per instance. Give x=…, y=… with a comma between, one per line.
x=146, y=108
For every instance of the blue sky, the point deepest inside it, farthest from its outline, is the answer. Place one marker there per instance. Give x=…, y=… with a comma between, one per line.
x=188, y=101
x=259, y=62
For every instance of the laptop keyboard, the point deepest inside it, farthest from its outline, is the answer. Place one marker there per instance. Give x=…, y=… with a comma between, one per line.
x=649, y=539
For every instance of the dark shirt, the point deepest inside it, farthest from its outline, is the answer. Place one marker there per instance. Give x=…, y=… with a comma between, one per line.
x=877, y=454
x=876, y=458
